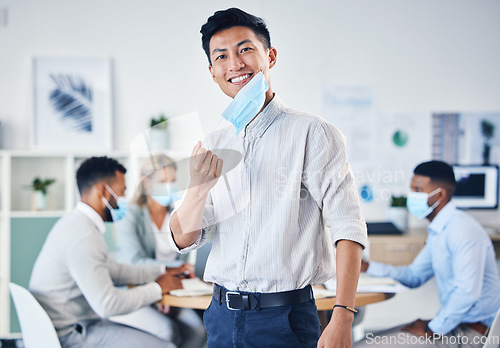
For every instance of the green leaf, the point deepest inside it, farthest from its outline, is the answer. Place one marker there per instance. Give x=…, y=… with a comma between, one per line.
x=398, y=201
x=160, y=122
x=41, y=184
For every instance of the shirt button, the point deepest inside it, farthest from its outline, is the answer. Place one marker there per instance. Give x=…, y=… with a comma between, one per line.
x=243, y=258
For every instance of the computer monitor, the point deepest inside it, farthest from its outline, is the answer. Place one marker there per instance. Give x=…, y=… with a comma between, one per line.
x=477, y=187
x=383, y=228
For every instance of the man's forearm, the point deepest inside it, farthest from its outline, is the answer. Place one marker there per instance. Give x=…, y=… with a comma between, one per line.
x=338, y=331
x=186, y=221
x=348, y=268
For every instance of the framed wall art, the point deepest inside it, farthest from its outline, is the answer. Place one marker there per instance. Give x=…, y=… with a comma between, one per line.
x=72, y=104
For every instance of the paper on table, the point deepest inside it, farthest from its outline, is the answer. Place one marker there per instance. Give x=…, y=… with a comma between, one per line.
x=368, y=283
x=193, y=287
x=366, y=280
x=323, y=293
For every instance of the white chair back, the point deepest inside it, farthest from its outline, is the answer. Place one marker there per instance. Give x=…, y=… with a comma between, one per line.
x=493, y=338
x=36, y=326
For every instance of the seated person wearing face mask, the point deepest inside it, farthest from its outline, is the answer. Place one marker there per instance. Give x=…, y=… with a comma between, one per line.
x=459, y=253
x=141, y=239
x=75, y=280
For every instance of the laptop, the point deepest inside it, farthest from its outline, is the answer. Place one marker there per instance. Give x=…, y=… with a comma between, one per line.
x=379, y=228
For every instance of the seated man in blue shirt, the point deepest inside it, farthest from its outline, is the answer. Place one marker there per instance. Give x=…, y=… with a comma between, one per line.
x=459, y=253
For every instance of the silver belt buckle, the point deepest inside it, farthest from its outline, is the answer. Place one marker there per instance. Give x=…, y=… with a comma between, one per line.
x=228, y=302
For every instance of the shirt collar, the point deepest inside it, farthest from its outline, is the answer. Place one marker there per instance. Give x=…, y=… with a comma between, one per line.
x=260, y=124
x=442, y=218
x=92, y=215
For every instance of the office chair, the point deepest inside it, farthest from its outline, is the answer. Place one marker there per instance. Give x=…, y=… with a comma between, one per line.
x=494, y=333
x=36, y=326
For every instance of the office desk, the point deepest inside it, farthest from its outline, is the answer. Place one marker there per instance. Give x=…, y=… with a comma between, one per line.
x=401, y=250
x=202, y=302
x=323, y=304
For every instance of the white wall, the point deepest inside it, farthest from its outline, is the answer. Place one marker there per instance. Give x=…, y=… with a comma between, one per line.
x=418, y=55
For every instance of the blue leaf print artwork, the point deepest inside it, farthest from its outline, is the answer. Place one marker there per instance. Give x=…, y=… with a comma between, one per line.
x=72, y=98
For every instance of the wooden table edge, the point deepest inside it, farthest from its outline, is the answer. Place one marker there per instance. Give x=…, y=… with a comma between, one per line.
x=362, y=299
x=202, y=302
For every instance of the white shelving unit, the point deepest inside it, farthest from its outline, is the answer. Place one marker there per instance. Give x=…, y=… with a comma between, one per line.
x=4, y=243
x=19, y=168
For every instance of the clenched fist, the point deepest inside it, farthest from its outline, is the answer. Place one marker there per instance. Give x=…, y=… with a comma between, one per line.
x=205, y=168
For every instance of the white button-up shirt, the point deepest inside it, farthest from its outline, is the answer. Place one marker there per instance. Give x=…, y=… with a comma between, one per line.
x=92, y=215
x=270, y=211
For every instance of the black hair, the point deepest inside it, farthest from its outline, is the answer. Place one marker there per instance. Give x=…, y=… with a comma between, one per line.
x=439, y=172
x=233, y=17
x=95, y=169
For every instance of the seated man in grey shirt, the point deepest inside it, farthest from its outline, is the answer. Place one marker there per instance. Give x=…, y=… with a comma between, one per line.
x=75, y=280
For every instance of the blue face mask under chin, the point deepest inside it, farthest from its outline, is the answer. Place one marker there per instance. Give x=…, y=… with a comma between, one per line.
x=247, y=103
x=116, y=213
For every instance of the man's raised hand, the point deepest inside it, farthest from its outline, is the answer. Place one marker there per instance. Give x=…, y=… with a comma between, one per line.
x=205, y=168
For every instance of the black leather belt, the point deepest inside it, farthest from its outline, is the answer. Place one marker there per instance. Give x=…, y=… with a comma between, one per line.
x=237, y=300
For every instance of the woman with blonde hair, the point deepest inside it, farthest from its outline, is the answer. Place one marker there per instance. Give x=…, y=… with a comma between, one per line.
x=142, y=237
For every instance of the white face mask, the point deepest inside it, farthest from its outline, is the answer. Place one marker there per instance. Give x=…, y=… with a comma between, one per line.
x=417, y=203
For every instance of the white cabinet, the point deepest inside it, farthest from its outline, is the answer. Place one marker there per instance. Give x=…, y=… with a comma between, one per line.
x=17, y=171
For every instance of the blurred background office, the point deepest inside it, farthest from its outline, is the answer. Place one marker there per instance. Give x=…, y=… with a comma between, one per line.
x=406, y=81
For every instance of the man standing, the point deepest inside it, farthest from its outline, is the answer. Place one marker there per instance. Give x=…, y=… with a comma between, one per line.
x=270, y=244
x=459, y=253
x=74, y=279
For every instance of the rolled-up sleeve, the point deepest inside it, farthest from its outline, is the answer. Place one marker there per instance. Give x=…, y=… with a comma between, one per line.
x=208, y=221
x=330, y=181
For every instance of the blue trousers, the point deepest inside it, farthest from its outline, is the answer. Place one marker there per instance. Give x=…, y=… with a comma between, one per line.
x=285, y=326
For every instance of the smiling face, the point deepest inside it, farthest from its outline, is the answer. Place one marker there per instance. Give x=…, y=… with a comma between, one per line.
x=237, y=55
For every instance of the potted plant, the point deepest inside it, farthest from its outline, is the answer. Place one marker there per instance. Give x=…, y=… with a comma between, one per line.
x=398, y=213
x=39, y=200
x=158, y=138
